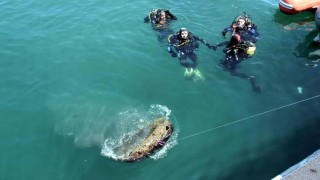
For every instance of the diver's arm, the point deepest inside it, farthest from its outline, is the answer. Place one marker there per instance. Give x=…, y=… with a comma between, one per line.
x=252, y=29
x=147, y=19
x=253, y=32
x=227, y=29
x=173, y=17
x=203, y=41
x=216, y=47
x=170, y=45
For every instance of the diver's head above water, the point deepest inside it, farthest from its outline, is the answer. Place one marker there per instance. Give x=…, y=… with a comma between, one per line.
x=241, y=21
x=184, y=33
x=162, y=15
x=235, y=39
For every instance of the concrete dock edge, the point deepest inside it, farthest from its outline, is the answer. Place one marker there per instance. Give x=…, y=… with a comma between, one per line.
x=307, y=169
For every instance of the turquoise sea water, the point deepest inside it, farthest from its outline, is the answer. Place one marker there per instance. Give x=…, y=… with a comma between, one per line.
x=77, y=76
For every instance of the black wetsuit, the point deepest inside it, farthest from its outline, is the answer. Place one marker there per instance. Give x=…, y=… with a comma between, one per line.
x=234, y=54
x=185, y=48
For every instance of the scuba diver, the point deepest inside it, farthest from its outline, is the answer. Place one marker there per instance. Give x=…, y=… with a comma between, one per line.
x=160, y=20
x=185, y=43
x=243, y=26
x=236, y=51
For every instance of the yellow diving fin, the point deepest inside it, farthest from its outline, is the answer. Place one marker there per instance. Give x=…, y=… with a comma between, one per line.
x=197, y=75
x=188, y=72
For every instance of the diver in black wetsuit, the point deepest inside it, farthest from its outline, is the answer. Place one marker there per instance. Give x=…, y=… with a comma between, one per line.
x=236, y=51
x=160, y=20
x=185, y=43
x=243, y=26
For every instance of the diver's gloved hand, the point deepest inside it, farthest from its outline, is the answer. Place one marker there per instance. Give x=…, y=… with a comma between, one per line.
x=207, y=44
x=173, y=54
x=146, y=19
x=215, y=47
x=224, y=33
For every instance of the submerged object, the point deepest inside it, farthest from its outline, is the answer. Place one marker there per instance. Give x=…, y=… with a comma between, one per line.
x=144, y=142
x=296, y=6
x=299, y=90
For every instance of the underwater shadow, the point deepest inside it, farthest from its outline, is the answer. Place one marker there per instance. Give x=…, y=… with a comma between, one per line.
x=102, y=168
x=308, y=49
x=273, y=161
x=300, y=18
